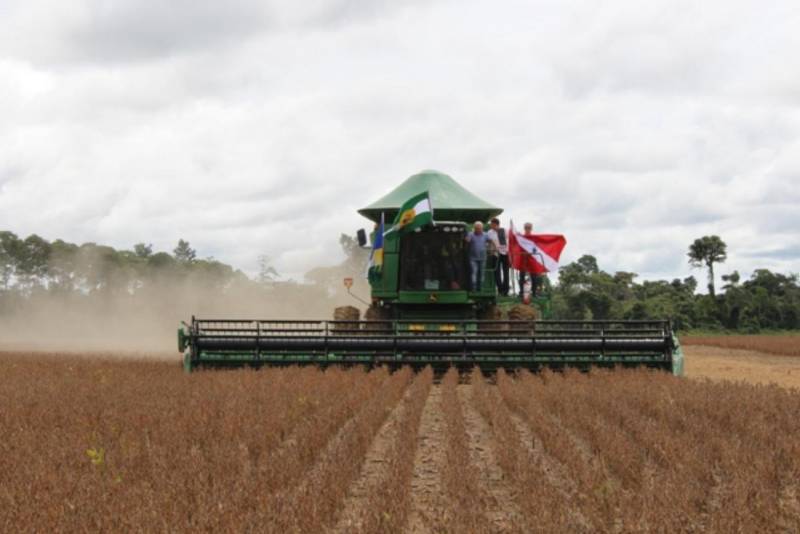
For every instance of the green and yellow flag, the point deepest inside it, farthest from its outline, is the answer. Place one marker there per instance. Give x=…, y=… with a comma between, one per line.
x=376, y=256
x=414, y=213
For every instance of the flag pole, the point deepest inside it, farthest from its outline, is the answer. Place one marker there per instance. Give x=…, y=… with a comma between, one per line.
x=513, y=270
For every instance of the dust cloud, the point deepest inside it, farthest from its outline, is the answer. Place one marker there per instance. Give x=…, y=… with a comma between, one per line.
x=146, y=322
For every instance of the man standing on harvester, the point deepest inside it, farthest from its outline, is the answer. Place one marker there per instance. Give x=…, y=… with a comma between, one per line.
x=497, y=235
x=524, y=272
x=476, y=252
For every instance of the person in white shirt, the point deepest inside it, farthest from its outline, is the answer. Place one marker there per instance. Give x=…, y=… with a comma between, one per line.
x=497, y=235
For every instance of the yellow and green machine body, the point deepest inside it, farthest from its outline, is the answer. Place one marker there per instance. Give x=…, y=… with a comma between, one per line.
x=424, y=312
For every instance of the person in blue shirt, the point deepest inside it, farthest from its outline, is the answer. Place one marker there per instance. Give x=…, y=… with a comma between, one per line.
x=476, y=253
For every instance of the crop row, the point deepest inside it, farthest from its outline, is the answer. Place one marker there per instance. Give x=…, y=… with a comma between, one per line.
x=116, y=445
x=465, y=497
x=109, y=445
x=388, y=502
x=654, y=452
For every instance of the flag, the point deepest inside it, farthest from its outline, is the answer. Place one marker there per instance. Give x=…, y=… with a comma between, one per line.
x=376, y=256
x=534, y=253
x=414, y=213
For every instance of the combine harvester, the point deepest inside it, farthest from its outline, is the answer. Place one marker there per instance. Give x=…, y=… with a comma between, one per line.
x=422, y=314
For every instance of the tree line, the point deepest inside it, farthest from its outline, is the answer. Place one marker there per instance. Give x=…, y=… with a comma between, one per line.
x=766, y=301
x=34, y=265
x=33, y=268
x=37, y=274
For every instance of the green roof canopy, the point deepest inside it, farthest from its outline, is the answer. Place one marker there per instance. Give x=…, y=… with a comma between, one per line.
x=450, y=201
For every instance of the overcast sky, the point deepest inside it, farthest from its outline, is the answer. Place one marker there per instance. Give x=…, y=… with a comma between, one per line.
x=258, y=127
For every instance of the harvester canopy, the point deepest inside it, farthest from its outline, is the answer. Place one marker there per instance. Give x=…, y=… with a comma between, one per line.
x=450, y=200
x=424, y=312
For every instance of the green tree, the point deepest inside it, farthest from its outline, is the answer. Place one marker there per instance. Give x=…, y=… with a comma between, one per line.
x=63, y=265
x=10, y=249
x=100, y=268
x=33, y=260
x=586, y=292
x=184, y=253
x=690, y=284
x=706, y=251
x=160, y=262
x=588, y=263
x=143, y=251
x=624, y=283
x=578, y=272
x=731, y=280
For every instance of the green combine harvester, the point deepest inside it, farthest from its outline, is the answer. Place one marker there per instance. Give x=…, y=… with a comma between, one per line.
x=422, y=313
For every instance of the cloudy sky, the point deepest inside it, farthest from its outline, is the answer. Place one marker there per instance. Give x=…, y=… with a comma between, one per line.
x=255, y=127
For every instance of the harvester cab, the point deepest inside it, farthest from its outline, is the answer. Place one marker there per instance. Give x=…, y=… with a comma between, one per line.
x=423, y=311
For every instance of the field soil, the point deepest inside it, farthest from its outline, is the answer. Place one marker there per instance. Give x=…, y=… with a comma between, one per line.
x=717, y=363
x=102, y=444
x=777, y=344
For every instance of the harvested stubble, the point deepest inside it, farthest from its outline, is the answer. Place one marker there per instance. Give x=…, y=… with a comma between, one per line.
x=467, y=500
x=111, y=445
x=532, y=492
x=677, y=455
x=781, y=345
x=387, y=505
x=587, y=483
x=313, y=504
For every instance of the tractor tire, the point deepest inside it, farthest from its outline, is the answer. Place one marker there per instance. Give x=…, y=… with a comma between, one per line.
x=346, y=313
x=522, y=312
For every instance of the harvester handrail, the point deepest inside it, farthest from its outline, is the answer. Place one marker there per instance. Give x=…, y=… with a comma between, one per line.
x=538, y=321
x=304, y=326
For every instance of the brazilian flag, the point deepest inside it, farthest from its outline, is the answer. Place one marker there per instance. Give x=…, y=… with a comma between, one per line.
x=414, y=213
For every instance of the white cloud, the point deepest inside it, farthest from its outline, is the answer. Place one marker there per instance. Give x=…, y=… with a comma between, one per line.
x=250, y=128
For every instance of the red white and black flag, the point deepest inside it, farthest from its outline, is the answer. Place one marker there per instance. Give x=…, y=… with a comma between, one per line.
x=534, y=253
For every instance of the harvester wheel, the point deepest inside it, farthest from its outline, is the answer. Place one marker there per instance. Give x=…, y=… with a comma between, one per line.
x=346, y=313
x=522, y=312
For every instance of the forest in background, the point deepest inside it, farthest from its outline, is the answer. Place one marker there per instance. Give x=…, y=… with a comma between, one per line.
x=57, y=293
x=63, y=295
x=766, y=301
